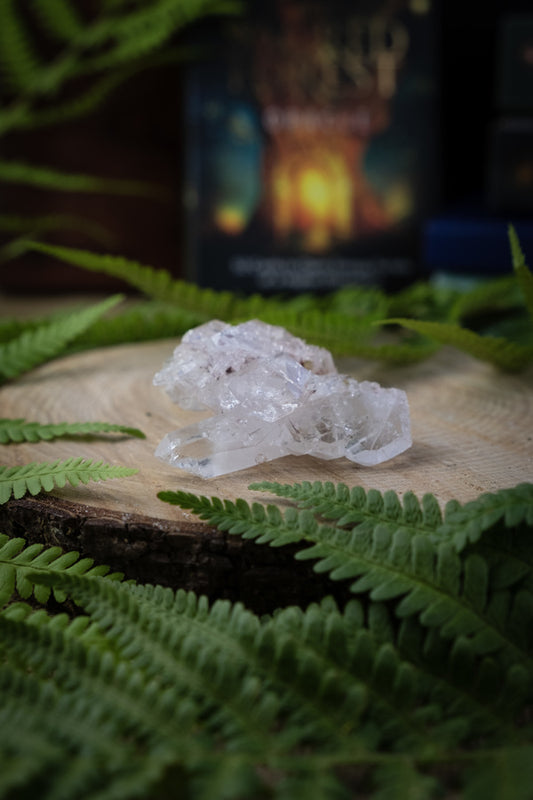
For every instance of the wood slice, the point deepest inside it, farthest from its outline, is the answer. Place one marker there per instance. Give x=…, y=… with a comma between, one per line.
x=472, y=432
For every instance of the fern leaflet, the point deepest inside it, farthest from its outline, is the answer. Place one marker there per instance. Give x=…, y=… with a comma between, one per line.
x=18, y=58
x=497, y=294
x=392, y=560
x=37, y=477
x=34, y=225
x=466, y=524
x=153, y=685
x=461, y=524
x=156, y=283
x=19, y=430
x=523, y=274
x=17, y=561
x=252, y=522
x=503, y=353
x=42, y=177
x=356, y=506
x=344, y=334
x=60, y=18
x=36, y=346
x=142, y=322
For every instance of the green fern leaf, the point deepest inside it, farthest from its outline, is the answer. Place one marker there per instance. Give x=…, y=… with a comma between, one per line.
x=142, y=322
x=18, y=561
x=171, y=686
x=156, y=283
x=506, y=773
x=461, y=525
x=390, y=560
x=318, y=784
x=344, y=334
x=19, y=430
x=523, y=274
x=11, y=328
x=64, y=731
x=466, y=524
x=46, y=223
x=17, y=53
x=501, y=352
x=42, y=177
x=37, y=477
x=251, y=522
x=497, y=294
x=60, y=19
x=297, y=652
x=141, y=30
x=235, y=773
x=294, y=661
x=36, y=346
x=401, y=780
x=356, y=506
x=28, y=117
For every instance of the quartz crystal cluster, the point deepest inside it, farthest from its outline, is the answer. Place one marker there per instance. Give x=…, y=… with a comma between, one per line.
x=273, y=395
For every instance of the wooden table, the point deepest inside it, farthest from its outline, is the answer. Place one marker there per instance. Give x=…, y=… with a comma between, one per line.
x=472, y=432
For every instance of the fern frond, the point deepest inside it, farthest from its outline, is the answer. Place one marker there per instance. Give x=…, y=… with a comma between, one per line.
x=357, y=506
x=325, y=678
x=496, y=294
x=466, y=524
x=505, y=772
x=45, y=476
x=429, y=581
x=24, y=116
x=503, y=353
x=461, y=524
x=267, y=525
x=192, y=655
x=13, y=327
x=267, y=706
x=322, y=692
x=343, y=334
x=33, y=347
x=73, y=726
x=523, y=274
x=156, y=283
x=142, y=30
x=18, y=59
x=79, y=627
x=60, y=18
x=43, y=177
x=488, y=693
x=144, y=321
x=19, y=430
x=392, y=560
x=18, y=560
x=27, y=754
x=401, y=780
x=38, y=225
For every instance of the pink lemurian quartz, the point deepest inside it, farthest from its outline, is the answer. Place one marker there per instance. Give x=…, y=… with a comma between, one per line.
x=273, y=395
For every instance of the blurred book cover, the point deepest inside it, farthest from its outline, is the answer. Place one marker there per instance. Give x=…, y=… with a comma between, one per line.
x=311, y=156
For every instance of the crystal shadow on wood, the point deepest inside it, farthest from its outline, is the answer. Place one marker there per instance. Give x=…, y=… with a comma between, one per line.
x=273, y=395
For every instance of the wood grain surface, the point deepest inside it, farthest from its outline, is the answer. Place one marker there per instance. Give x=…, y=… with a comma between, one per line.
x=472, y=432
x=472, y=429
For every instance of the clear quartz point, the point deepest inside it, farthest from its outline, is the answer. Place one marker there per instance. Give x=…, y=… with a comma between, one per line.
x=272, y=395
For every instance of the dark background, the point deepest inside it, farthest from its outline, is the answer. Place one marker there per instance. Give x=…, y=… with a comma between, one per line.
x=139, y=134
x=468, y=97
